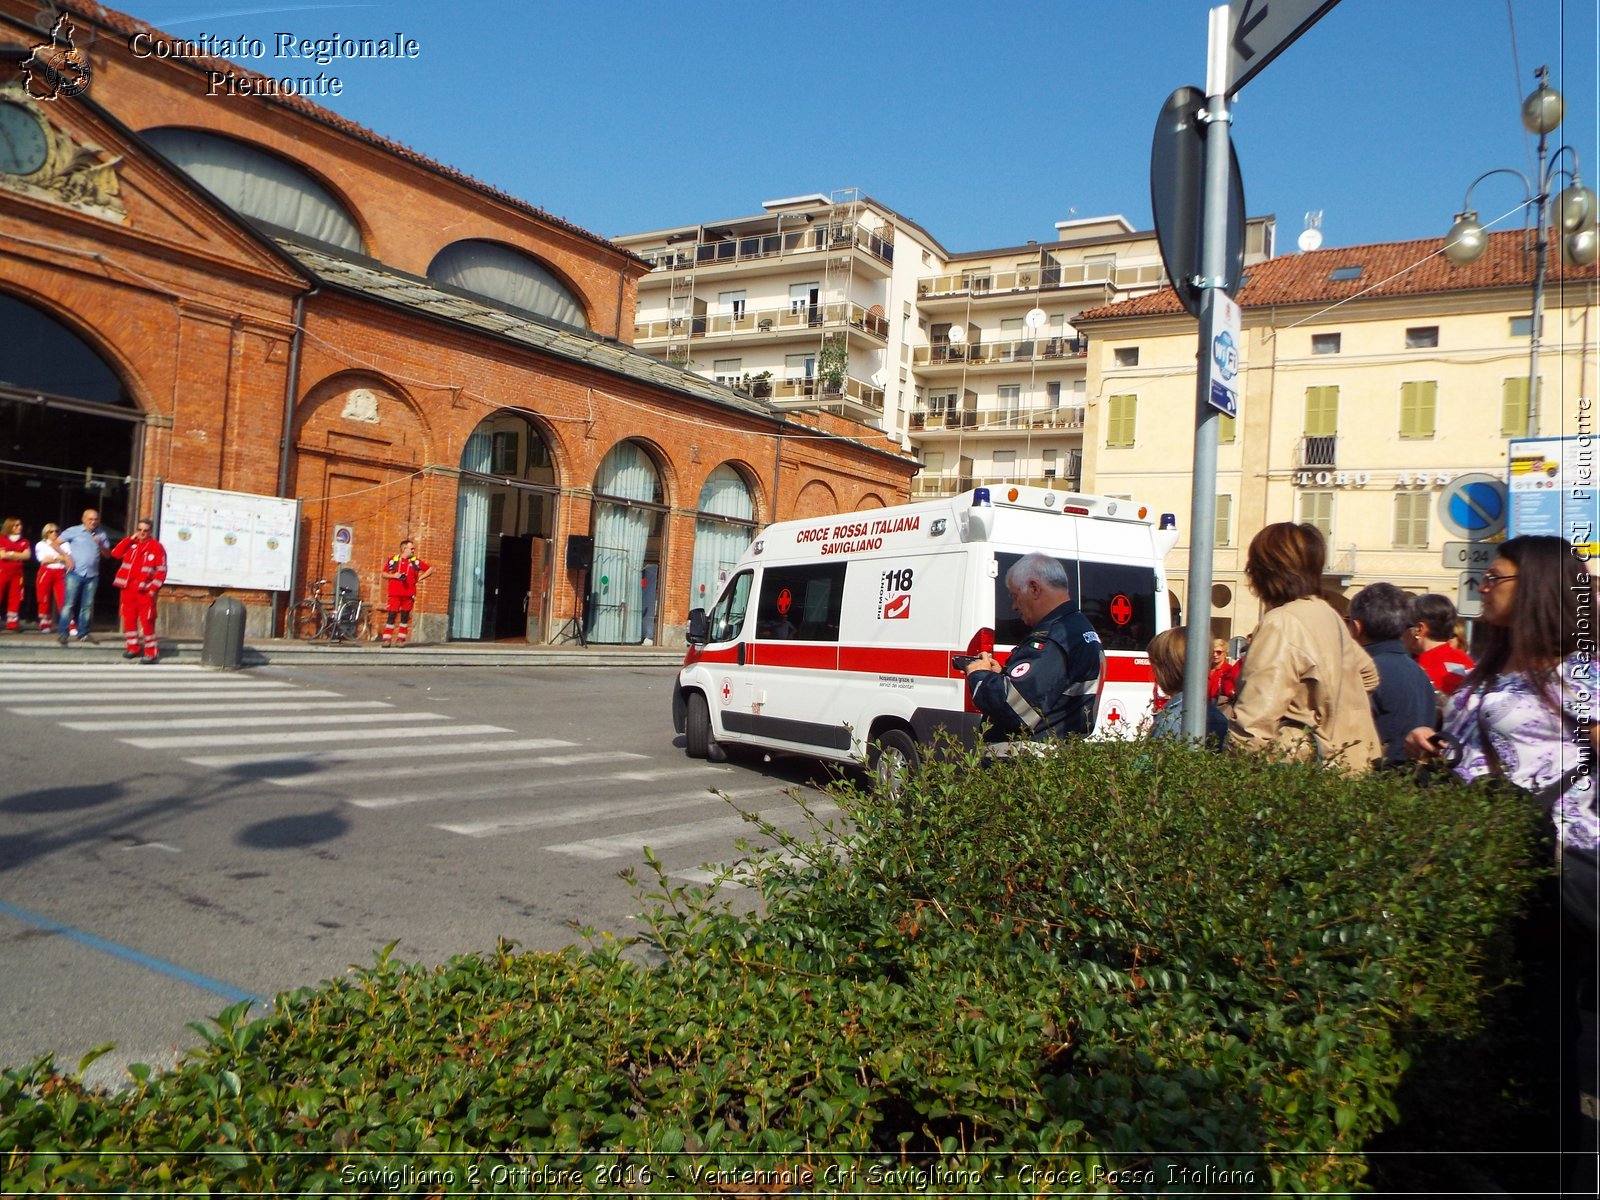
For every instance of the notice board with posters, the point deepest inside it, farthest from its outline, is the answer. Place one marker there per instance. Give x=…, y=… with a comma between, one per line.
x=1555, y=490
x=227, y=539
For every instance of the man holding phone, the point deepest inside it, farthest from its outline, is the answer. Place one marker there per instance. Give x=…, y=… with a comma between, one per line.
x=1051, y=685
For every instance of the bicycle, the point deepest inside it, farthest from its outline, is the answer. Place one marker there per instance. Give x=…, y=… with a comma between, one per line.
x=344, y=620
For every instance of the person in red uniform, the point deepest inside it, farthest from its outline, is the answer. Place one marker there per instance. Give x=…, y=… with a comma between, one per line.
x=50, y=584
x=143, y=571
x=14, y=551
x=404, y=571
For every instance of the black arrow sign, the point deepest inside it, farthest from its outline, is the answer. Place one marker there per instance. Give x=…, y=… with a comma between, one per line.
x=1271, y=26
x=1247, y=22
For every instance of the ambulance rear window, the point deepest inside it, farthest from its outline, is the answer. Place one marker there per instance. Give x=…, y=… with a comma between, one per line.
x=1119, y=600
x=801, y=603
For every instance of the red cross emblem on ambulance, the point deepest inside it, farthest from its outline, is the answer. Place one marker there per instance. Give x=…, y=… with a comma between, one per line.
x=1113, y=713
x=727, y=690
x=1121, y=609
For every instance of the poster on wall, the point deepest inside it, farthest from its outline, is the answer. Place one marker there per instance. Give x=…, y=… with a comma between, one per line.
x=1554, y=490
x=227, y=539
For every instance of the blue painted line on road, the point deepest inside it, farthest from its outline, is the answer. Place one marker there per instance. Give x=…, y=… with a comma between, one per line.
x=160, y=966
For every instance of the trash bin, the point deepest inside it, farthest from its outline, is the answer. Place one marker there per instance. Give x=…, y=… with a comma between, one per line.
x=223, y=645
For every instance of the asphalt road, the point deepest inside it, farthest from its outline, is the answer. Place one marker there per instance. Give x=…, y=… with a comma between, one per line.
x=173, y=840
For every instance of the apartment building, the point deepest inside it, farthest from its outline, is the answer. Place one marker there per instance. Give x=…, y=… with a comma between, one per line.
x=971, y=360
x=1372, y=377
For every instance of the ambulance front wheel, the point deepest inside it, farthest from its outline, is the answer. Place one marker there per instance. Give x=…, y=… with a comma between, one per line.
x=697, y=726
x=894, y=759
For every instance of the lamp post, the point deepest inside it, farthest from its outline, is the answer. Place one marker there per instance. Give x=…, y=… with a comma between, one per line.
x=1542, y=113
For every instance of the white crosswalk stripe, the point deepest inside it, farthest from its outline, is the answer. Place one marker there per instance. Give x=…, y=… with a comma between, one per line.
x=491, y=780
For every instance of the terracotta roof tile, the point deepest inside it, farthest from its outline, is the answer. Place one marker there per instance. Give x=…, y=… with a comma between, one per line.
x=128, y=26
x=1388, y=269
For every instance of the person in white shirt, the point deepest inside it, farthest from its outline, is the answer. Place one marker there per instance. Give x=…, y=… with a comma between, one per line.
x=50, y=584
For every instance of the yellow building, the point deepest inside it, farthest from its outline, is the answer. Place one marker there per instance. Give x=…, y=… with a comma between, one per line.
x=1372, y=377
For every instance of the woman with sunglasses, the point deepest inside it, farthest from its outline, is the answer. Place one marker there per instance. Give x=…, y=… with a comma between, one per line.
x=1526, y=714
x=1526, y=711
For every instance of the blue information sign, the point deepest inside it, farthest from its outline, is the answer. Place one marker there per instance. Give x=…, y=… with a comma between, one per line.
x=1553, y=489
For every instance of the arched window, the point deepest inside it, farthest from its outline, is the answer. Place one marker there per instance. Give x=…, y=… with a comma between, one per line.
x=624, y=583
x=723, y=528
x=69, y=427
x=259, y=185
x=507, y=277
x=505, y=516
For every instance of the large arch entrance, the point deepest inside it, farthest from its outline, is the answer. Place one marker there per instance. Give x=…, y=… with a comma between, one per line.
x=629, y=516
x=71, y=433
x=505, y=516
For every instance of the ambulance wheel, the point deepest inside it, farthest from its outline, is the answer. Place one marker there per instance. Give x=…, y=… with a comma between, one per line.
x=894, y=759
x=697, y=727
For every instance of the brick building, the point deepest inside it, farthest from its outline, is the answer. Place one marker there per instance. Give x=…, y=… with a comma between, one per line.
x=251, y=294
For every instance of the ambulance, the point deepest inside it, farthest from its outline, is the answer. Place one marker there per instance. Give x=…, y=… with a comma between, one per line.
x=834, y=636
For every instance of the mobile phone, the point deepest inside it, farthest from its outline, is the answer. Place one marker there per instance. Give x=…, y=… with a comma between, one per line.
x=962, y=661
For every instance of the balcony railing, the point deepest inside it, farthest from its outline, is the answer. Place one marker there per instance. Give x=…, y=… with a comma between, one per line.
x=1319, y=451
x=988, y=353
x=1001, y=419
x=766, y=320
x=811, y=239
x=811, y=390
x=978, y=283
x=950, y=485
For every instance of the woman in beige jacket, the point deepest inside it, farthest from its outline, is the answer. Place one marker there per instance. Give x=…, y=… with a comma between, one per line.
x=1304, y=689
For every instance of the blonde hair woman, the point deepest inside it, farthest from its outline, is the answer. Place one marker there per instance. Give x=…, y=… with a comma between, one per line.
x=50, y=584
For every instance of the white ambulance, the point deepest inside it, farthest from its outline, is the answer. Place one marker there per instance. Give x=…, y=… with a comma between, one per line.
x=834, y=636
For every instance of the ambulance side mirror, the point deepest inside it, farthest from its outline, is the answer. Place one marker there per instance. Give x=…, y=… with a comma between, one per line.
x=699, y=627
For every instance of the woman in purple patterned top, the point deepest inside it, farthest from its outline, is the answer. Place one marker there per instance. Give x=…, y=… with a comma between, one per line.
x=1526, y=712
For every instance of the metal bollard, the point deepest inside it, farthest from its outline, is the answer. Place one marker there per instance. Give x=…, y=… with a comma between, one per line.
x=223, y=645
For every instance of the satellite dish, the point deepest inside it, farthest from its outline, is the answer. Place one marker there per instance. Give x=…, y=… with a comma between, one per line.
x=956, y=336
x=1310, y=239
x=1036, y=319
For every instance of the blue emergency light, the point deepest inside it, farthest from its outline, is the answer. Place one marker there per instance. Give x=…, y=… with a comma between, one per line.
x=1168, y=521
x=980, y=496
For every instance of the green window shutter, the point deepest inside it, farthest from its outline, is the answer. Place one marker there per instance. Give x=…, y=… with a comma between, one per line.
x=1120, y=420
x=1224, y=520
x=1322, y=411
x=1418, y=405
x=1514, y=407
x=1316, y=508
x=1411, y=521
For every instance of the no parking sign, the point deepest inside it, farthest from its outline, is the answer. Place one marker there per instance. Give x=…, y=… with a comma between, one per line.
x=1473, y=506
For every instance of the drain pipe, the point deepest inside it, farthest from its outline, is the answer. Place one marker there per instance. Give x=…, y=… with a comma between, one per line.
x=291, y=388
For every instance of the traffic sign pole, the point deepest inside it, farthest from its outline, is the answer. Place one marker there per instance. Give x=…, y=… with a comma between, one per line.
x=1213, y=269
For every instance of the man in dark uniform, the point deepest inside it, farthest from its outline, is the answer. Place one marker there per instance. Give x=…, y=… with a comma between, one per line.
x=1051, y=685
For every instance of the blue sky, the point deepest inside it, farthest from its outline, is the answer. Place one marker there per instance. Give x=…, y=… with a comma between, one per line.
x=986, y=126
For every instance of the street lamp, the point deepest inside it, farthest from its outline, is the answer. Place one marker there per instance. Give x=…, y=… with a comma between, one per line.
x=1575, y=209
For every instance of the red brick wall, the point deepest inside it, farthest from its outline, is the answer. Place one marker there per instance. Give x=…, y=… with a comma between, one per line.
x=197, y=317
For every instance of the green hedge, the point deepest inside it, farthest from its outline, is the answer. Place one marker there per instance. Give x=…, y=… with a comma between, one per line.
x=1124, y=967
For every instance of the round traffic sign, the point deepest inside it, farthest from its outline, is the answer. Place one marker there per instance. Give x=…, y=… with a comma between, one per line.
x=1473, y=506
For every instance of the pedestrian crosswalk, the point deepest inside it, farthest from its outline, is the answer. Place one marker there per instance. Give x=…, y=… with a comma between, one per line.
x=582, y=803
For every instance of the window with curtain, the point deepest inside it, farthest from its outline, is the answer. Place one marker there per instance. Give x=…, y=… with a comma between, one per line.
x=472, y=540
x=627, y=516
x=259, y=185
x=507, y=276
x=1418, y=404
x=1121, y=413
x=723, y=529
